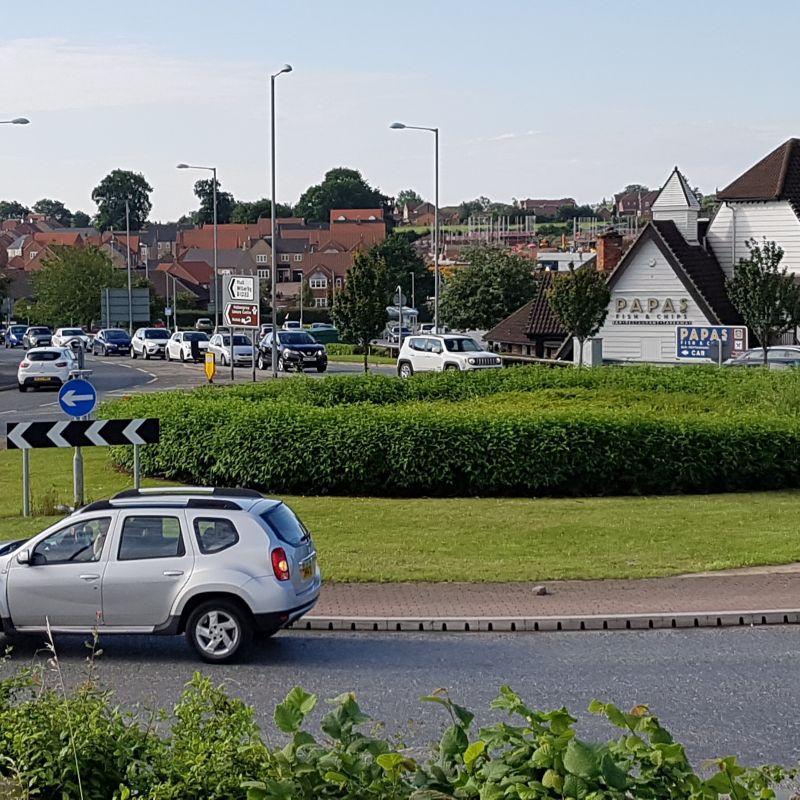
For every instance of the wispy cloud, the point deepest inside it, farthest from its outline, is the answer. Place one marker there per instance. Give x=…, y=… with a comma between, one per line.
x=503, y=137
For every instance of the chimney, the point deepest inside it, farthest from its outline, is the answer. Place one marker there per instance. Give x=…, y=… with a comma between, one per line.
x=609, y=250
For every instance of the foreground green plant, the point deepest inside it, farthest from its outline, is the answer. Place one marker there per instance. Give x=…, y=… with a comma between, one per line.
x=209, y=748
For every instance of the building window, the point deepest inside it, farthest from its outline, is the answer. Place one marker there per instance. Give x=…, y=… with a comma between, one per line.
x=318, y=282
x=262, y=258
x=263, y=274
x=338, y=283
x=284, y=257
x=320, y=302
x=298, y=257
x=297, y=276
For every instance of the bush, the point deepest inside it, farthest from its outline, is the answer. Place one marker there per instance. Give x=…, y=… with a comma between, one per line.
x=212, y=750
x=522, y=432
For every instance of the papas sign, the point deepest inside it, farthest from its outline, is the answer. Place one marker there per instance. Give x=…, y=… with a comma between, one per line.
x=710, y=341
x=242, y=315
x=650, y=310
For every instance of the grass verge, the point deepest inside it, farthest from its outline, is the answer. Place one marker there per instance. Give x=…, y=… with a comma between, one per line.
x=486, y=540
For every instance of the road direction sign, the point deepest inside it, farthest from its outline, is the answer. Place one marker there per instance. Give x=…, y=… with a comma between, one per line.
x=30, y=435
x=704, y=342
x=77, y=398
x=242, y=315
x=242, y=289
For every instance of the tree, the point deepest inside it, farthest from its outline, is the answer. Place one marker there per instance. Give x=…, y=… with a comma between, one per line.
x=568, y=213
x=633, y=188
x=249, y=213
x=306, y=297
x=408, y=197
x=80, y=219
x=55, y=210
x=764, y=294
x=204, y=191
x=359, y=307
x=68, y=286
x=110, y=195
x=471, y=207
x=401, y=261
x=580, y=298
x=341, y=188
x=11, y=209
x=491, y=286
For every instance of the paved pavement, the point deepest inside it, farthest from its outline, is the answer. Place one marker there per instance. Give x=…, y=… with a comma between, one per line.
x=727, y=592
x=719, y=691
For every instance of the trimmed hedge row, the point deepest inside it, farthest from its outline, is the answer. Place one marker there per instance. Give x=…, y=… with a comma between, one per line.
x=464, y=448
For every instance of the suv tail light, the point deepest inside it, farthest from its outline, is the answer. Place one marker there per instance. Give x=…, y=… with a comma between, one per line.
x=280, y=564
x=23, y=365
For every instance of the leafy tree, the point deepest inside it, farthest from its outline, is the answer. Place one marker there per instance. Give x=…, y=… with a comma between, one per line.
x=635, y=187
x=204, y=191
x=708, y=203
x=245, y=212
x=68, y=286
x=359, y=307
x=765, y=295
x=401, y=260
x=580, y=298
x=11, y=209
x=470, y=207
x=408, y=197
x=54, y=209
x=306, y=298
x=568, y=213
x=491, y=286
x=80, y=219
x=341, y=188
x=110, y=195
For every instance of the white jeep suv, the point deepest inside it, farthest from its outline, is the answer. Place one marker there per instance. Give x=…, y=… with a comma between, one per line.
x=216, y=564
x=438, y=352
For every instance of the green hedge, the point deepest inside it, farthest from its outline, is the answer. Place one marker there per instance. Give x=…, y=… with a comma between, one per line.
x=520, y=432
x=209, y=748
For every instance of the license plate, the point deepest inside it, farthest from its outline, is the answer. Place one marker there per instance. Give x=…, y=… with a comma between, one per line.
x=307, y=569
x=42, y=380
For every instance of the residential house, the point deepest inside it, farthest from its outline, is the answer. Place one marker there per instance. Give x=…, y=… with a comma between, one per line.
x=635, y=204
x=547, y=209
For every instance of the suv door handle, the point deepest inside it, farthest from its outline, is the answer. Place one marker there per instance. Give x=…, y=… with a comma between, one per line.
x=89, y=577
x=173, y=573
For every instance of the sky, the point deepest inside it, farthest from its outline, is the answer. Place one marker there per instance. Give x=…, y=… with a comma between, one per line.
x=533, y=99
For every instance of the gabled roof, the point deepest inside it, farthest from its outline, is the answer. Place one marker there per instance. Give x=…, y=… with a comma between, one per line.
x=676, y=193
x=775, y=177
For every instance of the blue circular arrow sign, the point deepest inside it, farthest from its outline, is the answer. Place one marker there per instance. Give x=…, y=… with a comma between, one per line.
x=77, y=398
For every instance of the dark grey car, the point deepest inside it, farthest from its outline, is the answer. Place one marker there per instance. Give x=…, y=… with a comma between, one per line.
x=778, y=357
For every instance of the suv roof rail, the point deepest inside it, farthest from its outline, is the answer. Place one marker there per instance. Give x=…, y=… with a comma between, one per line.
x=202, y=490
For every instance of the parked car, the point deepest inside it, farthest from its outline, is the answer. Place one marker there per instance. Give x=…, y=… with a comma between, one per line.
x=37, y=336
x=204, y=324
x=46, y=366
x=111, y=341
x=149, y=343
x=215, y=564
x=429, y=327
x=222, y=329
x=778, y=357
x=292, y=325
x=220, y=346
x=321, y=326
x=443, y=352
x=392, y=332
x=15, y=335
x=296, y=349
x=64, y=337
x=182, y=343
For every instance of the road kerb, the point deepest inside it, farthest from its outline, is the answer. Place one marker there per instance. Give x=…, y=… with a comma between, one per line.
x=542, y=624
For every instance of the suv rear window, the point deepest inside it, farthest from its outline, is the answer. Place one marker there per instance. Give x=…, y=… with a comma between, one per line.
x=285, y=524
x=47, y=355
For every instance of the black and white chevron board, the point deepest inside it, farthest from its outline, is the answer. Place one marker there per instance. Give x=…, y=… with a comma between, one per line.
x=80, y=433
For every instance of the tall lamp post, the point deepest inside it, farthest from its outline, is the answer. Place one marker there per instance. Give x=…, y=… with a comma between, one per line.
x=99, y=199
x=15, y=121
x=213, y=171
x=399, y=126
x=273, y=224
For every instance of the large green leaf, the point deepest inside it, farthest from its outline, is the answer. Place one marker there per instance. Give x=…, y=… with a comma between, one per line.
x=582, y=759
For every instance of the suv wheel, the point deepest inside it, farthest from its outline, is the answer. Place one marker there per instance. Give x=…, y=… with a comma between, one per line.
x=405, y=370
x=260, y=363
x=218, y=631
x=451, y=366
x=133, y=353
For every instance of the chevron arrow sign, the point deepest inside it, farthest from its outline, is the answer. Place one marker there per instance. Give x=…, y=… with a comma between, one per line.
x=99, y=433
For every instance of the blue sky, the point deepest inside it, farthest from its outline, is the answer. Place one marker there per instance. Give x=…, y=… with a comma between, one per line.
x=533, y=99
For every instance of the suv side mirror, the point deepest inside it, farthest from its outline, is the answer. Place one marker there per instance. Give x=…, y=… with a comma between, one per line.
x=24, y=557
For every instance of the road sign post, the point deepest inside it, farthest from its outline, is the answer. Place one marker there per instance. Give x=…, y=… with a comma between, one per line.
x=210, y=367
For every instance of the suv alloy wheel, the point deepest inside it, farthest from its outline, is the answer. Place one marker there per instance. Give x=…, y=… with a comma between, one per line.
x=405, y=370
x=219, y=631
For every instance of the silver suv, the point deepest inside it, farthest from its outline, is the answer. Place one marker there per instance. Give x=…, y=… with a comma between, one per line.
x=216, y=564
x=438, y=352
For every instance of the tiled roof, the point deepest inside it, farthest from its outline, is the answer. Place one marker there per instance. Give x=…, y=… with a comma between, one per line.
x=535, y=318
x=775, y=177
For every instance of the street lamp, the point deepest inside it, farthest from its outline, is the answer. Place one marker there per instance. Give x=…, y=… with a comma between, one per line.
x=15, y=121
x=274, y=225
x=213, y=171
x=128, y=259
x=399, y=126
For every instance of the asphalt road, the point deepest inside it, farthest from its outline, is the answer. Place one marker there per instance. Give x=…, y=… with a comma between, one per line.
x=719, y=691
x=117, y=376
